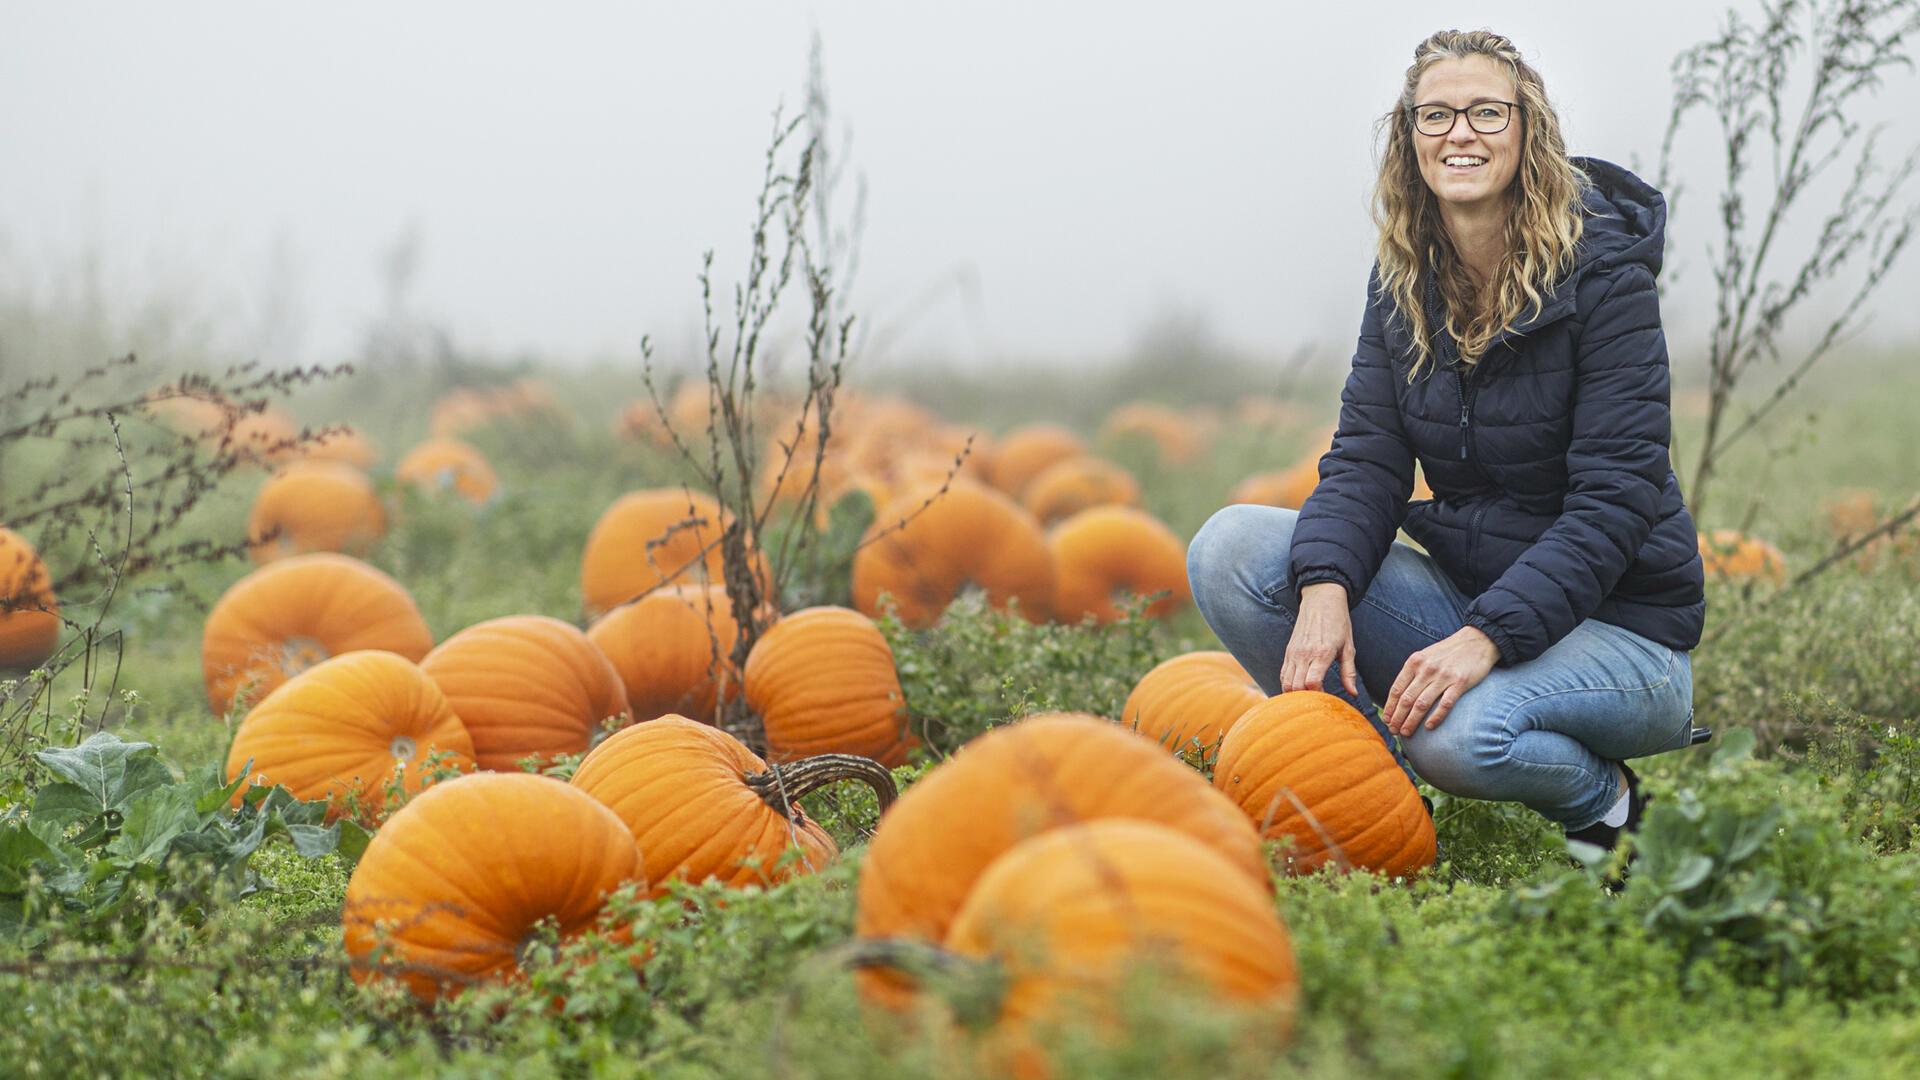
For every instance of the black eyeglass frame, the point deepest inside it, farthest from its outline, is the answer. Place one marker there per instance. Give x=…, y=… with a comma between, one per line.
x=1413, y=116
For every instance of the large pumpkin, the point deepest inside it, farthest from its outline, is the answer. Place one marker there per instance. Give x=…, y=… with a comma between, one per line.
x=29, y=615
x=315, y=506
x=526, y=686
x=704, y=807
x=1068, y=917
x=293, y=613
x=926, y=546
x=1731, y=555
x=1101, y=551
x=1027, y=451
x=1013, y=783
x=1067, y=487
x=447, y=464
x=1308, y=767
x=340, y=730
x=454, y=887
x=651, y=538
x=822, y=681
x=1191, y=700
x=671, y=648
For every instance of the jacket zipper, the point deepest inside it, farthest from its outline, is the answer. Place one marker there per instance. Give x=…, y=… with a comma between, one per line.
x=1466, y=387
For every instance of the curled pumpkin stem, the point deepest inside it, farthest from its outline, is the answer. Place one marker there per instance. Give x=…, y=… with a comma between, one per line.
x=782, y=785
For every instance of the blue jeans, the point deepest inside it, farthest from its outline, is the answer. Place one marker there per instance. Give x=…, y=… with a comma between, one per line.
x=1543, y=733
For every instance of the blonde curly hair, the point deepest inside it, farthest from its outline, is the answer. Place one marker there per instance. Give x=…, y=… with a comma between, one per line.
x=1543, y=218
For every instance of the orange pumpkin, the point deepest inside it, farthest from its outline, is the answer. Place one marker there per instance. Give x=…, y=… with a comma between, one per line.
x=1308, y=767
x=1174, y=437
x=1068, y=917
x=1015, y=782
x=1067, y=487
x=344, y=445
x=315, y=506
x=923, y=554
x=29, y=615
x=268, y=437
x=1734, y=556
x=526, y=686
x=1027, y=451
x=651, y=538
x=704, y=807
x=1191, y=700
x=454, y=887
x=340, y=730
x=671, y=649
x=198, y=415
x=1288, y=488
x=293, y=613
x=1109, y=548
x=447, y=464
x=822, y=681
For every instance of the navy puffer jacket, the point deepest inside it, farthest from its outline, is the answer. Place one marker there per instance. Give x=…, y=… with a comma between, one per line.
x=1554, y=494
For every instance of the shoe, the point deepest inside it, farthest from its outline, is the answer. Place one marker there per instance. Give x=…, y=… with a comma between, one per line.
x=1607, y=837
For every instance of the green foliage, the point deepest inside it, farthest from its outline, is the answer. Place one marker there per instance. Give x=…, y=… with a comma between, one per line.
x=1870, y=767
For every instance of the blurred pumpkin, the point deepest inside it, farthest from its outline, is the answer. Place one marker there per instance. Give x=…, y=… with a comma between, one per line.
x=446, y=464
x=1730, y=555
x=661, y=536
x=1025, y=452
x=823, y=682
x=1067, y=487
x=29, y=614
x=924, y=553
x=1191, y=700
x=315, y=506
x=267, y=437
x=526, y=686
x=344, y=445
x=1174, y=437
x=295, y=612
x=671, y=649
x=1101, y=551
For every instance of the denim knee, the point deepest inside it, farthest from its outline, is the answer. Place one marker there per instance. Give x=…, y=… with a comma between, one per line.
x=1233, y=542
x=1459, y=757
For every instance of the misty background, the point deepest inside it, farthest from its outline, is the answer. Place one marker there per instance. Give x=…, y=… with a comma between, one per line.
x=1047, y=181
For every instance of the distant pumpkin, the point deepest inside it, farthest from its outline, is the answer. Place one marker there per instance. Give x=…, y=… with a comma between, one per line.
x=647, y=539
x=926, y=546
x=526, y=686
x=1100, y=552
x=1067, y=487
x=447, y=464
x=315, y=506
x=1026, y=452
x=268, y=437
x=823, y=682
x=1191, y=700
x=1731, y=555
x=29, y=615
x=1174, y=437
x=672, y=649
x=343, y=444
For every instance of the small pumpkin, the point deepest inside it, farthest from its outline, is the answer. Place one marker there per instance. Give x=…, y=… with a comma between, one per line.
x=671, y=649
x=1174, y=437
x=526, y=686
x=651, y=538
x=1067, y=487
x=200, y=415
x=339, y=731
x=1730, y=555
x=1106, y=549
x=266, y=437
x=1191, y=700
x=703, y=807
x=823, y=682
x=455, y=885
x=345, y=445
x=1026, y=452
x=1013, y=783
x=29, y=614
x=315, y=506
x=926, y=546
x=447, y=464
x=1308, y=767
x=295, y=612
x=1071, y=915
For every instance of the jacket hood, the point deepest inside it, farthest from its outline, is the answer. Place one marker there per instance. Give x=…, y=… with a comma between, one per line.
x=1626, y=220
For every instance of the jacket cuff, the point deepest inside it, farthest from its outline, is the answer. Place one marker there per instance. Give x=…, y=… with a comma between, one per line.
x=1509, y=654
x=1322, y=575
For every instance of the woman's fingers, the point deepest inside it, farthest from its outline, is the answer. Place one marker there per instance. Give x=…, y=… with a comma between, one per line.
x=1444, y=706
x=1349, y=675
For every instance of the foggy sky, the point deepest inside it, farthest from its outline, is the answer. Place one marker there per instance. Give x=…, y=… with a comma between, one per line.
x=1084, y=165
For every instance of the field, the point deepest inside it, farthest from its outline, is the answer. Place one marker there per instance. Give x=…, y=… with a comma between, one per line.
x=1771, y=926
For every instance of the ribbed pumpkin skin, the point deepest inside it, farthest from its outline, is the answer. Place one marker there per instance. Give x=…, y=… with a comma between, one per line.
x=445, y=464
x=1026, y=452
x=618, y=565
x=1071, y=913
x=969, y=535
x=1012, y=783
x=29, y=616
x=315, y=506
x=671, y=648
x=1067, y=487
x=679, y=787
x=294, y=612
x=526, y=686
x=1320, y=750
x=1115, y=547
x=461, y=876
x=823, y=682
x=1191, y=699
x=1729, y=554
x=344, y=724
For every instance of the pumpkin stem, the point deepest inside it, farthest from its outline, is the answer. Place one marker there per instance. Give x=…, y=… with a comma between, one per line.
x=782, y=785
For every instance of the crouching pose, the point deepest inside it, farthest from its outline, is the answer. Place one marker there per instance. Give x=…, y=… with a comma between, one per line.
x=1511, y=344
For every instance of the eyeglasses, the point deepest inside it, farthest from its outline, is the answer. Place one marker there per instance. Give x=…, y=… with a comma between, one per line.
x=1485, y=117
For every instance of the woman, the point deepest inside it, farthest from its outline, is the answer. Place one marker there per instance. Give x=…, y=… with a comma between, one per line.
x=1511, y=344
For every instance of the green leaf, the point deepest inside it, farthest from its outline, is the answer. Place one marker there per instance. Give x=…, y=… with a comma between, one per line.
x=216, y=794
x=62, y=804
x=110, y=771
x=20, y=852
x=1735, y=746
x=152, y=822
x=1689, y=873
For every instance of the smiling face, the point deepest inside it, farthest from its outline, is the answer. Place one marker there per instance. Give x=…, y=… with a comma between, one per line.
x=1464, y=168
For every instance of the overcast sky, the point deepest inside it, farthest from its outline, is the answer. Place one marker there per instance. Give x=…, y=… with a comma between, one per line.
x=1084, y=165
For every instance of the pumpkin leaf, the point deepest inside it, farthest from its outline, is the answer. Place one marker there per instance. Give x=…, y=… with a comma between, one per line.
x=110, y=771
x=153, y=821
x=20, y=851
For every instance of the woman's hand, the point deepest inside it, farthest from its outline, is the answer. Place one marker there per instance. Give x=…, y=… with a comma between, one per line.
x=1322, y=634
x=1435, y=677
